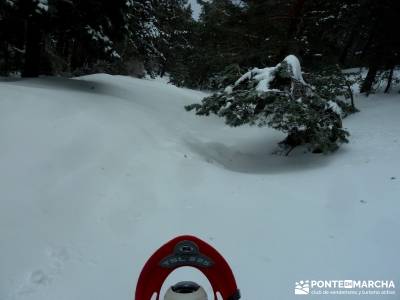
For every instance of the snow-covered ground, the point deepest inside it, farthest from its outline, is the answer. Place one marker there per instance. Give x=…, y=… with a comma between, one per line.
x=98, y=172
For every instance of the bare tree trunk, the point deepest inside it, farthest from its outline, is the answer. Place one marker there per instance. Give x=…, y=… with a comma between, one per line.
x=163, y=69
x=76, y=59
x=390, y=79
x=370, y=79
x=346, y=48
x=6, y=59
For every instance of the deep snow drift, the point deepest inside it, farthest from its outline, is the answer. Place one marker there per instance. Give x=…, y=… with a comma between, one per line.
x=98, y=172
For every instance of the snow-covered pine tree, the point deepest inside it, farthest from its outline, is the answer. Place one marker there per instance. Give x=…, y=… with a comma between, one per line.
x=142, y=29
x=279, y=97
x=98, y=29
x=332, y=83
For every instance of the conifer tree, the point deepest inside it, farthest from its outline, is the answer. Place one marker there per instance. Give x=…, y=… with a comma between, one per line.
x=174, y=19
x=278, y=97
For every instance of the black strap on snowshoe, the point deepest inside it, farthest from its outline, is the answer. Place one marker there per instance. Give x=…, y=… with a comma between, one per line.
x=235, y=296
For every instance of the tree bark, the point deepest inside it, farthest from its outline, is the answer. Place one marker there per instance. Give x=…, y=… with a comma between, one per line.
x=346, y=48
x=6, y=59
x=369, y=80
x=390, y=79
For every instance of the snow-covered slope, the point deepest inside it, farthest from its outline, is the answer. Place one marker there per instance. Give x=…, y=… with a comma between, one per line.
x=97, y=172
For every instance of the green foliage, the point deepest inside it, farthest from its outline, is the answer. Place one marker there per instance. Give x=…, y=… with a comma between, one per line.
x=279, y=98
x=333, y=84
x=227, y=77
x=175, y=22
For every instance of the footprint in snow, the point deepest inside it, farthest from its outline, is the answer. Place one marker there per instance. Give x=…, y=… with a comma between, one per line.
x=44, y=276
x=39, y=277
x=34, y=280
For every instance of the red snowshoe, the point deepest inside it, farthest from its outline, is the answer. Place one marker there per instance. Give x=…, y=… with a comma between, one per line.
x=186, y=251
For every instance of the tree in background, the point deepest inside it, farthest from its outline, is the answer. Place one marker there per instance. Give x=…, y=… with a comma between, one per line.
x=382, y=47
x=73, y=36
x=214, y=44
x=70, y=37
x=11, y=47
x=174, y=18
x=348, y=33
